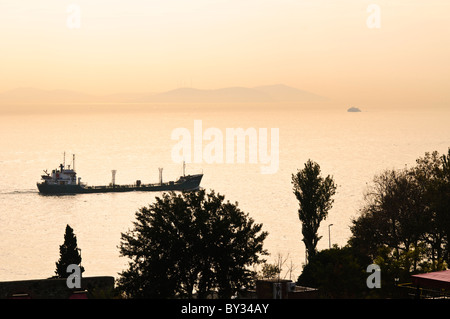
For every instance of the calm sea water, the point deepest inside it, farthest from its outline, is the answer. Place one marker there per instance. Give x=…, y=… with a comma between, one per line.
x=352, y=147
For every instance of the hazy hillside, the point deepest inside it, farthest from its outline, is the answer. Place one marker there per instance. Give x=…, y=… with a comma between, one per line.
x=261, y=94
x=273, y=93
x=283, y=93
x=190, y=95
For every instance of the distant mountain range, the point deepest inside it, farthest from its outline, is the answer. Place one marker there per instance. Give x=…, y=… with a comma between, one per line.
x=272, y=93
x=260, y=94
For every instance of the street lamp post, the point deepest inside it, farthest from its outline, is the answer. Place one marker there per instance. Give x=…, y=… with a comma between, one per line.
x=79, y=249
x=329, y=235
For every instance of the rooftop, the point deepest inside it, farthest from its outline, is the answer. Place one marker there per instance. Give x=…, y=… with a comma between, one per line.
x=433, y=280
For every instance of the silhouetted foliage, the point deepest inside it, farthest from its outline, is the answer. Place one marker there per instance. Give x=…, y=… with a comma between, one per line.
x=314, y=194
x=433, y=174
x=405, y=222
x=69, y=254
x=403, y=227
x=190, y=242
x=337, y=273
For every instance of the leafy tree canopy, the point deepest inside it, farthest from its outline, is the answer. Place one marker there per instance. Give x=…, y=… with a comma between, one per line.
x=406, y=217
x=314, y=194
x=190, y=243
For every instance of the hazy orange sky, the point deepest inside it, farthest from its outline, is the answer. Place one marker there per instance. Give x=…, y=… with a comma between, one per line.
x=323, y=46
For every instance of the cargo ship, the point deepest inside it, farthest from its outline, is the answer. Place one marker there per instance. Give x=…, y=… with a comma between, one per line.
x=64, y=181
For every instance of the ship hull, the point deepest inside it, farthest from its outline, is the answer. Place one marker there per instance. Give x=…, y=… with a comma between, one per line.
x=188, y=183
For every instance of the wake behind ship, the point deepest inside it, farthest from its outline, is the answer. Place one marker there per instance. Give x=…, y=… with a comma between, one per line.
x=64, y=181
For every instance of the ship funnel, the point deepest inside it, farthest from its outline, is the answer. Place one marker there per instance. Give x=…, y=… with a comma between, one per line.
x=113, y=181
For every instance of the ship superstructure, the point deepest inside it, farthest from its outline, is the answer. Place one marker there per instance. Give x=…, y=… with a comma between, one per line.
x=62, y=176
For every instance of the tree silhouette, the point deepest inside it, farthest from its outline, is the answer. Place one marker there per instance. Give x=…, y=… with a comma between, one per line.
x=407, y=216
x=314, y=194
x=190, y=242
x=337, y=273
x=69, y=254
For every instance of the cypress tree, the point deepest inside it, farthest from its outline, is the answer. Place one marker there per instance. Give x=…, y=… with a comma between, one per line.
x=69, y=254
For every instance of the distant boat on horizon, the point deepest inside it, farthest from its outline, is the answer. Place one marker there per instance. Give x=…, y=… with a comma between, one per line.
x=64, y=181
x=353, y=109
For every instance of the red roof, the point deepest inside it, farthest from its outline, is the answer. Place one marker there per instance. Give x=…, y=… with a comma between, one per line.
x=433, y=280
